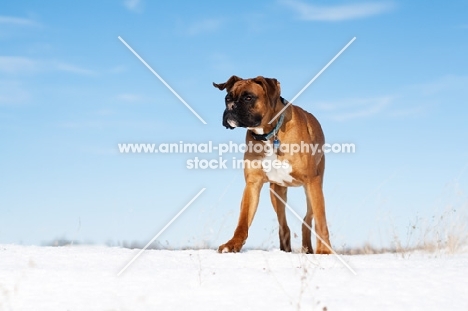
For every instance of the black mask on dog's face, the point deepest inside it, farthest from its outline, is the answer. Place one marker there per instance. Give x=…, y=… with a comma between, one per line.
x=240, y=111
x=248, y=101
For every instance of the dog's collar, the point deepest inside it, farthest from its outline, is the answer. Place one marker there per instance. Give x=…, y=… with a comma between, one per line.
x=273, y=132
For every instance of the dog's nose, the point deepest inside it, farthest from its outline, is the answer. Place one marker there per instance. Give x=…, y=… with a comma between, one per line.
x=231, y=106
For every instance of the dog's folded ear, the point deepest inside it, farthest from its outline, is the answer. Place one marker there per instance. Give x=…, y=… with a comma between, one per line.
x=271, y=87
x=228, y=84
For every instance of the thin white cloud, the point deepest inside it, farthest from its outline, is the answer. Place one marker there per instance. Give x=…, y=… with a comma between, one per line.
x=117, y=69
x=257, y=22
x=73, y=69
x=134, y=5
x=223, y=63
x=355, y=108
x=127, y=97
x=105, y=112
x=18, y=65
x=204, y=26
x=83, y=124
x=407, y=112
x=367, y=111
x=446, y=83
x=334, y=13
x=17, y=21
x=412, y=100
x=106, y=123
x=99, y=151
x=12, y=93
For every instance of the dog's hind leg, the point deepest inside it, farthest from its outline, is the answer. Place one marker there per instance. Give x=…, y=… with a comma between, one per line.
x=315, y=209
x=279, y=206
x=306, y=225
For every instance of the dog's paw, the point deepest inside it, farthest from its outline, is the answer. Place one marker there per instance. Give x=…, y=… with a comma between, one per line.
x=233, y=246
x=324, y=251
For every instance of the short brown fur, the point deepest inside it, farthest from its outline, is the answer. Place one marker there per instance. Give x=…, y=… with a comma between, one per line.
x=307, y=169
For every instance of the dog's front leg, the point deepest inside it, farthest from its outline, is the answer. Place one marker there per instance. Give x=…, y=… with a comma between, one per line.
x=248, y=208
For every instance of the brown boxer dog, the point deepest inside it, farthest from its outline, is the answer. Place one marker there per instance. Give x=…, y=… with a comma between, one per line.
x=252, y=103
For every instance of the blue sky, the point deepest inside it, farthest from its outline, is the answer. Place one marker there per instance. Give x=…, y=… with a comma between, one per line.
x=70, y=91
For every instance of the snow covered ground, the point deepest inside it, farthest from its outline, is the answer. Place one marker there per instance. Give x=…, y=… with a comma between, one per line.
x=85, y=278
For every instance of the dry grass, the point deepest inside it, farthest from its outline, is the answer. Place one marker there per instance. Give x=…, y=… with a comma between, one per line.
x=445, y=232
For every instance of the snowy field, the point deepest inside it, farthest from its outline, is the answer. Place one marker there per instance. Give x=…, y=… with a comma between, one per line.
x=85, y=278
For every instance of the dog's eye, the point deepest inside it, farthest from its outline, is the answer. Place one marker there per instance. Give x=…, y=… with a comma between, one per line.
x=228, y=99
x=248, y=98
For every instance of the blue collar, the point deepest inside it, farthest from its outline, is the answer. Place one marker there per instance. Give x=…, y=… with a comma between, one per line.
x=275, y=130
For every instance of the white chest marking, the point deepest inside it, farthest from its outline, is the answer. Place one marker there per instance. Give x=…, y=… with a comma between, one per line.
x=276, y=171
x=256, y=130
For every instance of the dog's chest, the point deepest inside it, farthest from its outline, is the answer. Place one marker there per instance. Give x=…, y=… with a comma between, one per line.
x=277, y=171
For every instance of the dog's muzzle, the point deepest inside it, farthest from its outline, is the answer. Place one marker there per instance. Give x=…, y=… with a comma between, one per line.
x=229, y=120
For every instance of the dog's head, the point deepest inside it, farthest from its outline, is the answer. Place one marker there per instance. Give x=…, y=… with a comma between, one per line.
x=250, y=102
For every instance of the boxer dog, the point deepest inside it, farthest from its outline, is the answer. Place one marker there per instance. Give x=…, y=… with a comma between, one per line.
x=252, y=103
